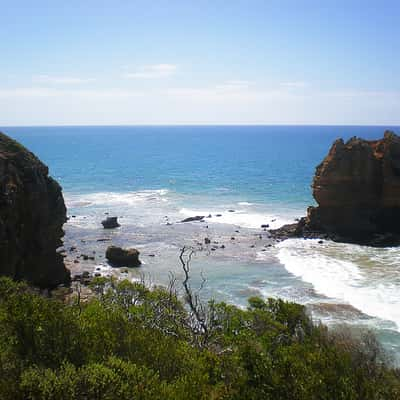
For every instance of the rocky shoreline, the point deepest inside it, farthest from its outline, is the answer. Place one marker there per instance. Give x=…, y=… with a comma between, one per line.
x=356, y=187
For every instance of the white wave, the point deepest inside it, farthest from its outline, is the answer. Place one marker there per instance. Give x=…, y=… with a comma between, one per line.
x=345, y=272
x=239, y=218
x=245, y=203
x=115, y=198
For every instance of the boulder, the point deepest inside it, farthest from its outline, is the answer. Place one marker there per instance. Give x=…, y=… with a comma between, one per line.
x=119, y=257
x=32, y=214
x=110, y=223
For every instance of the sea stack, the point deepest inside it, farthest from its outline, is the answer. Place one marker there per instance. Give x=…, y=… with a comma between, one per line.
x=32, y=214
x=357, y=189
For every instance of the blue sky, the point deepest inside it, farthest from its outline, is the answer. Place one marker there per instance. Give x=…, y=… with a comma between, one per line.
x=199, y=62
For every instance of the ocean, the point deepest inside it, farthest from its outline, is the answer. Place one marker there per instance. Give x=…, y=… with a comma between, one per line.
x=152, y=177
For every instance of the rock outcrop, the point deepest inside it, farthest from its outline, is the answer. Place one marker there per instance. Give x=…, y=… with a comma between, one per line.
x=32, y=213
x=119, y=257
x=357, y=189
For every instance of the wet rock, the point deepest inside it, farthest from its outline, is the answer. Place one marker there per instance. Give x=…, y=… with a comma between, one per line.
x=192, y=219
x=218, y=215
x=231, y=211
x=110, y=223
x=207, y=241
x=265, y=226
x=119, y=257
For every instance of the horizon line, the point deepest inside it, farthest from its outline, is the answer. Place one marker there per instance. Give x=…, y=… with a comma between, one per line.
x=194, y=125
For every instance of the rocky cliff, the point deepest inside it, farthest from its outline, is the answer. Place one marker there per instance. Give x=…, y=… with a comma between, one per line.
x=32, y=213
x=357, y=189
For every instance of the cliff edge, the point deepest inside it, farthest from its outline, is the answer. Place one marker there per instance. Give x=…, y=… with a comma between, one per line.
x=357, y=189
x=32, y=213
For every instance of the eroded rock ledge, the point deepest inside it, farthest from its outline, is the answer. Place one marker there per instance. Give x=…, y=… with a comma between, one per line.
x=357, y=189
x=32, y=213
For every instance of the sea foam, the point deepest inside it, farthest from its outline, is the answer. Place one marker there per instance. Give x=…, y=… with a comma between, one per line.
x=345, y=273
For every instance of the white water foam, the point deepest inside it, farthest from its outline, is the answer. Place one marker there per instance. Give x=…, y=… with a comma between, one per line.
x=352, y=274
x=242, y=218
x=113, y=199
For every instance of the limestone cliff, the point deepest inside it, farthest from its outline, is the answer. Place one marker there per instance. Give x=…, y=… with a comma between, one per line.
x=357, y=189
x=32, y=213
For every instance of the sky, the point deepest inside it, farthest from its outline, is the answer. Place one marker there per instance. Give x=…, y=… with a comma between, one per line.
x=84, y=62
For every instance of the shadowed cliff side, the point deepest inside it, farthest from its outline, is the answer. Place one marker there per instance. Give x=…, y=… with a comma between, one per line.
x=32, y=213
x=357, y=188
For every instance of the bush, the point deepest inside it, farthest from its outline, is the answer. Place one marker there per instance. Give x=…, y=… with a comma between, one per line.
x=129, y=342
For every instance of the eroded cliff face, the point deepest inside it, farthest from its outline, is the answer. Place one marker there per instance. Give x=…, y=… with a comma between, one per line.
x=32, y=213
x=357, y=188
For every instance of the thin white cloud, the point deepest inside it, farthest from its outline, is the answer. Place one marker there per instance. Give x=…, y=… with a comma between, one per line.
x=61, y=80
x=294, y=85
x=152, y=72
x=234, y=85
x=32, y=92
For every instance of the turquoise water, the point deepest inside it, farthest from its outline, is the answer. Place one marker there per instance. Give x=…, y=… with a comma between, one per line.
x=152, y=177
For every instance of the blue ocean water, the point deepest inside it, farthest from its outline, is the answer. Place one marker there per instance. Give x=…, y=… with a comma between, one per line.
x=266, y=164
x=153, y=176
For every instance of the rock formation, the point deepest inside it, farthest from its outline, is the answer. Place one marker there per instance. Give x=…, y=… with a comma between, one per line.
x=119, y=257
x=110, y=223
x=32, y=213
x=357, y=189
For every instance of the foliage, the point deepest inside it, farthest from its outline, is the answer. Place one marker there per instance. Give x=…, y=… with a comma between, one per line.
x=132, y=342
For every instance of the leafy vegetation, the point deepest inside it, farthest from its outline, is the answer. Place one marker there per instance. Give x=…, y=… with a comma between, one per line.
x=132, y=342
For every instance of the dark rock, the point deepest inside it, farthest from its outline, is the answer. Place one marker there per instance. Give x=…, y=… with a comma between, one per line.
x=103, y=240
x=85, y=274
x=85, y=257
x=320, y=241
x=72, y=248
x=191, y=219
x=32, y=214
x=110, y=223
x=265, y=226
x=231, y=210
x=152, y=255
x=209, y=216
x=218, y=215
x=207, y=241
x=119, y=257
x=232, y=238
